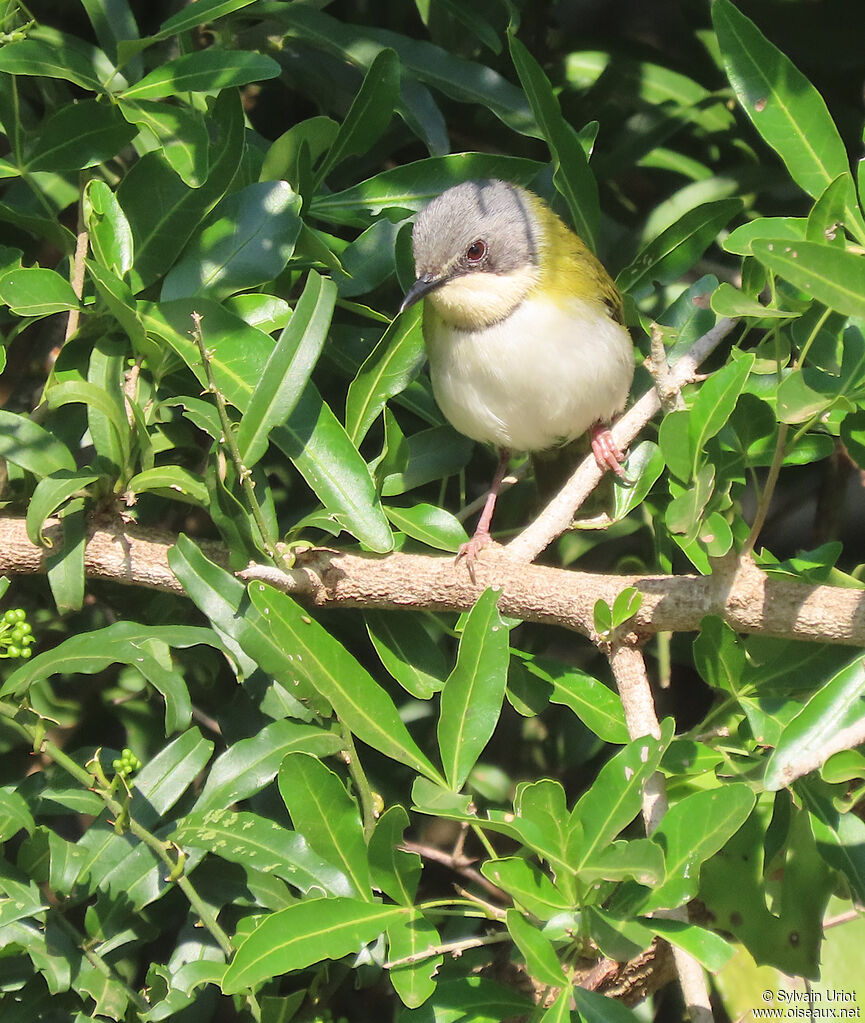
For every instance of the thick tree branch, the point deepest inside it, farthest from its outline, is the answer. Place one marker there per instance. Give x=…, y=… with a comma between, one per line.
x=747, y=599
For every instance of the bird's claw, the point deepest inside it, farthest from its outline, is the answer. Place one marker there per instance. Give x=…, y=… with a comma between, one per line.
x=607, y=454
x=470, y=550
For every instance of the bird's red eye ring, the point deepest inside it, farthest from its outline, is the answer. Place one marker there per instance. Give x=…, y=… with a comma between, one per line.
x=476, y=251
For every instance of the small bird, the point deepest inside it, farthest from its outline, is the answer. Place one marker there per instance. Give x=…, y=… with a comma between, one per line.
x=523, y=327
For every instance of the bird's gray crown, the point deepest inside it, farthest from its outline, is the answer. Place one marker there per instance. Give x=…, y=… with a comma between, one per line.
x=493, y=211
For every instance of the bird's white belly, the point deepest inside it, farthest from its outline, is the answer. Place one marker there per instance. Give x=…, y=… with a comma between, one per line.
x=539, y=378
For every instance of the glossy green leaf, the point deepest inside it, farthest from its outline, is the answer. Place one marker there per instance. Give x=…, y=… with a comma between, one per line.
x=432, y=526
x=248, y=240
x=78, y=136
x=571, y=173
x=790, y=229
x=208, y=70
x=432, y=455
x=528, y=886
x=50, y=493
x=719, y=656
x=667, y=257
x=90, y=652
x=598, y=707
x=327, y=816
x=107, y=227
x=171, y=481
x=15, y=816
x=166, y=776
x=541, y=820
x=162, y=211
x=95, y=399
x=262, y=844
x=643, y=467
x=595, y=1007
x=288, y=367
x=409, y=937
x=714, y=405
x=471, y=701
x=729, y=301
x=615, y=798
x=410, y=187
x=31, y=446
x=249, y=765
x=362, y=705
x=841, y=836
x=204, y=12
x=832, y=276
x=34, y=291
x=304, y=934
x=57, y=55
x=180, y=132
x=390, y=366
x=690, y=832
x=407, y=651
x=782, y=104
x=708, y=948
x=64, y=564
x=637, y=859
x=366, y=263
x=369, y=114
x=393, y=870
x=838, y=704
x=537, y=950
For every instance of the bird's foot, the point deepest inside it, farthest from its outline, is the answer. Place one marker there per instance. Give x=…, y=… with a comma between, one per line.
x=470, y=550
x=606, y=453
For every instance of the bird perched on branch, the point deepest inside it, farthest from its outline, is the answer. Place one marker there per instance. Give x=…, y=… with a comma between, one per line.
x=523, y=326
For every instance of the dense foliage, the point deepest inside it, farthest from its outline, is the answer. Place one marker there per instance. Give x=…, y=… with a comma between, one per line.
x=228, y=805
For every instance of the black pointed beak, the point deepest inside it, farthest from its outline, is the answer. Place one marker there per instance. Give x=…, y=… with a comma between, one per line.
x=421, y=287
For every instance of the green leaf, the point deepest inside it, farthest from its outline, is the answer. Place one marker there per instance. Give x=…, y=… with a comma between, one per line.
x=598, y=707
x=714, y=405
x=162, y=211
x=837, y=705
x=560, y=1010
x=615, y=797
x=249, y=765
x=719, y=656
x=708, y=948
x=390, y=366
x=33, y=291
x=394, y=870
x=95, y=399
x=205, y=12
x=107, y=227
x=31, y=446
x=411, y=936
x=179, y=132
x=832, y=276
x=571, y=173
x=471, y=701
x=729, y=301
x=165, y=777
x=304, y=934
x=362, y=705
x=208, y=70
x=594, y=1007
x=172, y=481
x=327, y=817
x=537, y=950
x=15, y=816
x=56, y=55
x=80, y=135
x=412, y=186
x=841, y=836
x=528, y=886
x=742, y=238
x=261, y=844
x=666, y=258
x=643, y=467
x=288, y=367
x=369, y=114
x=690, y=832
x=636, y=860
x=247, y=240
x=433, y=526
x=780, y=101
x=407, y=651
x=50, y=493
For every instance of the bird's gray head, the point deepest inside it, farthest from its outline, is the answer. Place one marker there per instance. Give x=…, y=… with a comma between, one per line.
x=475, y=251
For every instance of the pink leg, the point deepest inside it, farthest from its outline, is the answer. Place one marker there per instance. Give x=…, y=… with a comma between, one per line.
x=607, y=455
x=482, y=537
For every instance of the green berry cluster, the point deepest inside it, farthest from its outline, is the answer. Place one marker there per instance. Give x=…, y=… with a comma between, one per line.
x=126, y=763
x=15, y=634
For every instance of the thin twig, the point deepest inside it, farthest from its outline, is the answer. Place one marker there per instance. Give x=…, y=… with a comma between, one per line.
x=768, y=490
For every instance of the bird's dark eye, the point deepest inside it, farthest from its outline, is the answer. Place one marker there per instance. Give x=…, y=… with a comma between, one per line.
x=476, y=251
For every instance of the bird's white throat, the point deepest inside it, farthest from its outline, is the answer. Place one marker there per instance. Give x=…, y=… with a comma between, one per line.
x=475, y=300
